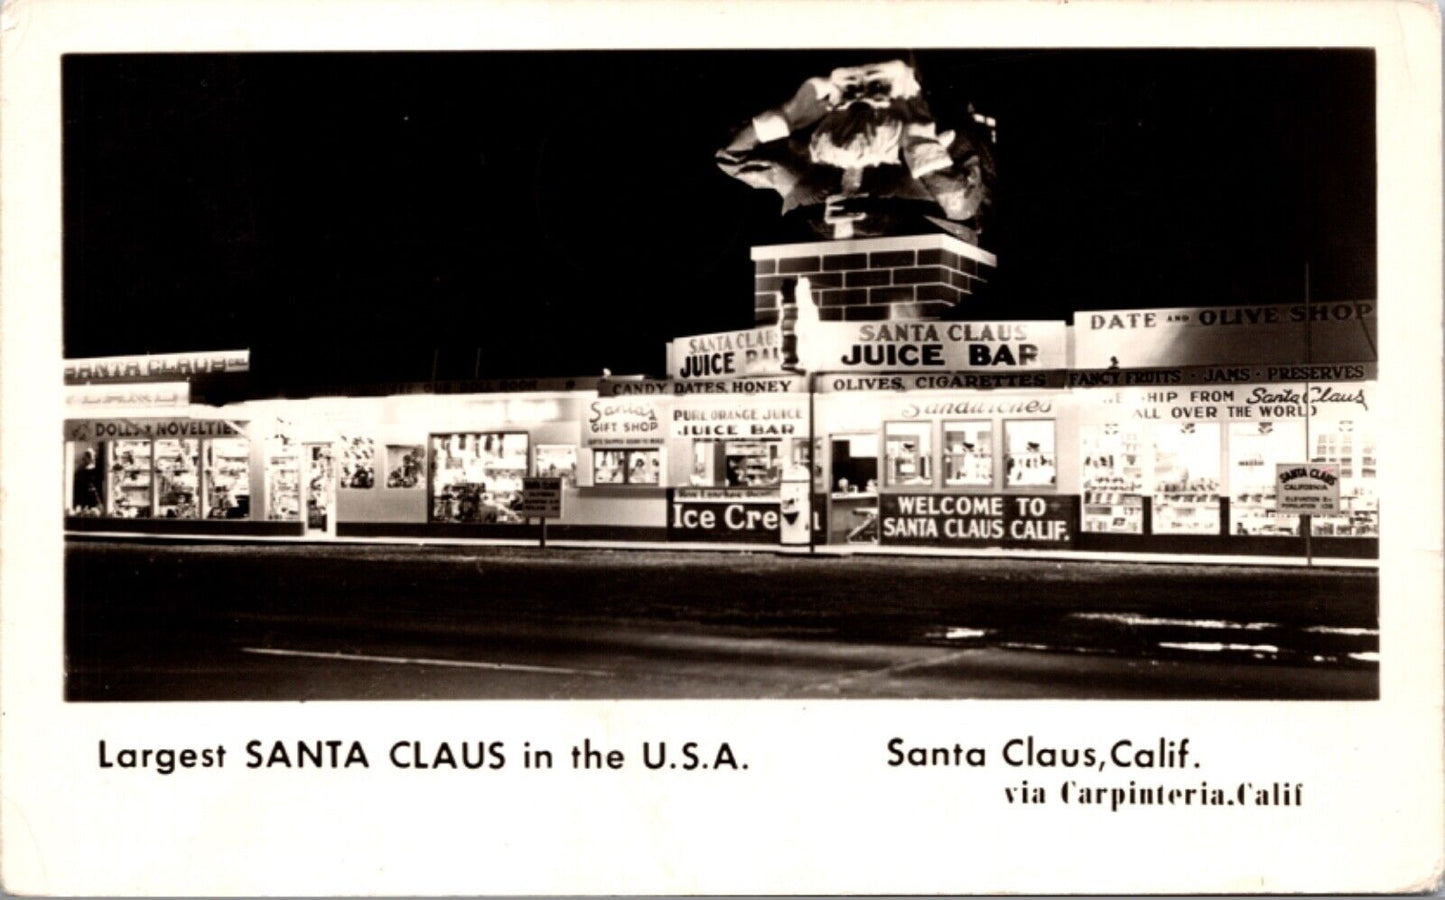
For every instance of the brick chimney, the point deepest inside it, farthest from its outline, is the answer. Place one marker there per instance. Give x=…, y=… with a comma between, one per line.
x=921, y=276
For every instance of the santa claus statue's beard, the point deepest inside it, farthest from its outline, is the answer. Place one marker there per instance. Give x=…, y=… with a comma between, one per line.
x=857, y=136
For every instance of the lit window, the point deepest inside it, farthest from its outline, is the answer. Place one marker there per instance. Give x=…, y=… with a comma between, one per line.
x=908, y=453
x=626, y=467
x=967, y=454
x=1029, y=453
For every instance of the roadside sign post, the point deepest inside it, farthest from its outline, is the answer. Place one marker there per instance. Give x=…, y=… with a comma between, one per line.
x=542, y=499
x=1307, y=490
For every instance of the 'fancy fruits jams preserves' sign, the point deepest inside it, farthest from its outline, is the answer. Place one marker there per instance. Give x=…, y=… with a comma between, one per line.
x=977, y=520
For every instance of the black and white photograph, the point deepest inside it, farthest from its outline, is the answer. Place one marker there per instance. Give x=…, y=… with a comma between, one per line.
x=735, y=374
x=724, y=448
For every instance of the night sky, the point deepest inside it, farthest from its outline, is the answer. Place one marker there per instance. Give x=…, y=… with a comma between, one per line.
x=551, y=213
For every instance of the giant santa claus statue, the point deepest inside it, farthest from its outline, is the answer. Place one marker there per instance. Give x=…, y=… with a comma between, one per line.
x=857, y=154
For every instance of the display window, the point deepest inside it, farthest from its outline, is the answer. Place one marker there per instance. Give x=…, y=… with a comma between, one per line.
x=227, y=478
x=87, y=484
x=283, y=480
x=627, y=467
x=908, y=454
x=1255, y=450
x=968, y=454
x=1186, y=478
x=406, y=466
x=556, y=461
x=1029, y=459
x=1353, y=450
x=356, y=463
x=1112, y=462
x=478, y=477
x=178, y=478
x=739, y=463
x=129, y=465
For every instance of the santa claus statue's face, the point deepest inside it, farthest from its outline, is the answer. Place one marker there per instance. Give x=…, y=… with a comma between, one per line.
x=868, y=115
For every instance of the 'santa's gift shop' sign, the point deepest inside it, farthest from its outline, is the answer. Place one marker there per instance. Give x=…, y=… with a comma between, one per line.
x=977, y=520
x=625, y=422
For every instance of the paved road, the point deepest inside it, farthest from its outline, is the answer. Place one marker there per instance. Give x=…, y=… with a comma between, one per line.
x=200, y=622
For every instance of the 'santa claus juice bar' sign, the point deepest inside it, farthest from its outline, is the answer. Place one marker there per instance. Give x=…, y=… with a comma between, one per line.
x=728, y=354
x=936, y=346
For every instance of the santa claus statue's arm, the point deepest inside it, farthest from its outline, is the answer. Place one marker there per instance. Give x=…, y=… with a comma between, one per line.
x=749, y=157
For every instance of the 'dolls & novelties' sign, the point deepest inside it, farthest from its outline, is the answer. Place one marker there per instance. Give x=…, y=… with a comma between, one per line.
x=977, y=520
x=107, y=429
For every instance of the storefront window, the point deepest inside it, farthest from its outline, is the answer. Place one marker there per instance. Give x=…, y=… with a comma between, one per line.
x=1255, y=449
x=228, y=478
x=283, y=480
x=87, y=484
x=1344, y=445
x=626, y=467
x=405, y=466
x=738, y=463
x=130, y=479
x=1029, y=453
x=1113, y=478
x=478, y=477
x=908, y=453
x=557, y=461
x=177, y=472
x=967, y=454
x=358, y=462
x=1186, y=479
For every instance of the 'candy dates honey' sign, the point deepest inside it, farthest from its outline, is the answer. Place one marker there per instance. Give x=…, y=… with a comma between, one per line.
x=977, y=520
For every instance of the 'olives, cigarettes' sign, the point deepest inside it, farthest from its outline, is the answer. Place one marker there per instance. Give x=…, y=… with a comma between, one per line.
x=1307, y=488
x=977, y=520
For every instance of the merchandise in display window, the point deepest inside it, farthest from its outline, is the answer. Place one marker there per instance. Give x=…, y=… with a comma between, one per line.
x=557, y=461
x=908, y=454
x=405, y=466
x=737, y=463
x=1255, y=449
x=477, y=478
x=1186, y=478
x=1113, y=478
x=627, y=467
x=1029, y=459
x=1344, y=445
x=357, y=462
x=283, y=480
x=967, y=454
x=87, y=481
x=129, y=465
x=227, y=478
x=177, y=472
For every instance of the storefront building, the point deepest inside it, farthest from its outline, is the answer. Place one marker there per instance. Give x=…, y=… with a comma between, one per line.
x=1153, y=431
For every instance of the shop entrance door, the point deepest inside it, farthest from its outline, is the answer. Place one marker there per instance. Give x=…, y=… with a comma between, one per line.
x=853, y=489
x=320, y=482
